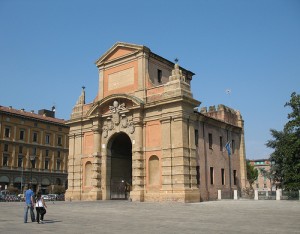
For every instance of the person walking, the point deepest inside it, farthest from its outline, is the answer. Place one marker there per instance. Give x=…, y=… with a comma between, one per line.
x=40, y=207
x=29, y=204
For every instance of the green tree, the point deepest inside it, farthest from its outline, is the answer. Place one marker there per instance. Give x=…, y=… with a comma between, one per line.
x=286, y=145
x=252, y=174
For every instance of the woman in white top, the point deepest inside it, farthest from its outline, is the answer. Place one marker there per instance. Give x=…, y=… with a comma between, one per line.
x=40, y=207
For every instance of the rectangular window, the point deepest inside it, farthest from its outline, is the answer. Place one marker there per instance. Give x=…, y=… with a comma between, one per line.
x=223, y=176
x=33, y=163
x=34, y=151
x=210, y=141
x=159, y=75
x=198, y=174
x=46, y=164
x=47, y=139
x=5, y=147
x=35, y=137
x=232, y=146
x=234, y=177
x=196, y=137
x=47, y=153
x=20, y=161
x=5, y=160
x=20, y=149
x=7, y=132
x=221, y=143
x=211, y=175
x=22, y=134
x=59, y=140
x=58, y=165
x=58, y=154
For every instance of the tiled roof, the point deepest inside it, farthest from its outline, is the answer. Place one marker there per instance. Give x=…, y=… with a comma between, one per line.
x=31, y=115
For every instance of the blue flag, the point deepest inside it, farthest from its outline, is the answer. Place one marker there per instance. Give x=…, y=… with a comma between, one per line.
x=227, y=146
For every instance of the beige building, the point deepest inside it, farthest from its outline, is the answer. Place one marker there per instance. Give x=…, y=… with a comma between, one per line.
x=33, y=149
x=143, y=136
x=263, y=182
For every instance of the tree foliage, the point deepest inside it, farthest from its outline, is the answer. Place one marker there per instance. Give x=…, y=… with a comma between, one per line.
x=286, y=145
x=252, y=174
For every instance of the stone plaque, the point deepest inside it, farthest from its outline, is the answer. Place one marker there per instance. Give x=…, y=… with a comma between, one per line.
x=121, y=79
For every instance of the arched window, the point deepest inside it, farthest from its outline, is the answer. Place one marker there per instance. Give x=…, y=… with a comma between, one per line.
x=154, y=175
x=88, y=174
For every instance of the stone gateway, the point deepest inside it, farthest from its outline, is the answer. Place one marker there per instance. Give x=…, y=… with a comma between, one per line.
x=143, y=138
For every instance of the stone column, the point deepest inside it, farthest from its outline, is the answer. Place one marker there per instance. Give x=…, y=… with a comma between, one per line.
x=167, y=167
x=96, y=163
x=138, y=161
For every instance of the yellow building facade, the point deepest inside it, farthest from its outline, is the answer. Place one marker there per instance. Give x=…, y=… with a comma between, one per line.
x=33, y=149
x=144, y=137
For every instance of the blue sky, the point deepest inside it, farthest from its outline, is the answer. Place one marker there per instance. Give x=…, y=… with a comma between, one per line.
x=48, y=49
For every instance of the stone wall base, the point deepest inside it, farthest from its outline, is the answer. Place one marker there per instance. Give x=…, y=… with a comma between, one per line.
x=184, y=196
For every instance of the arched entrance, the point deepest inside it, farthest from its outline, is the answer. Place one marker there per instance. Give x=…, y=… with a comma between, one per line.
x=121, y=166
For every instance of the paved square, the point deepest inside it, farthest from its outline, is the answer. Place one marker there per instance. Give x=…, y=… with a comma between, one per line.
x=227, y=216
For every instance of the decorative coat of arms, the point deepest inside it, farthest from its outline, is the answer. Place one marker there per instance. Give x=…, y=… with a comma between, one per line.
x=117, y=118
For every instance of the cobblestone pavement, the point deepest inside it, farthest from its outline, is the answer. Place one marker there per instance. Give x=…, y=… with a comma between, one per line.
x=226, y=216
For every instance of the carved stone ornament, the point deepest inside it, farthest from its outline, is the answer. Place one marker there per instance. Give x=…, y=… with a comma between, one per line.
x=115, y=111
x=116, y=118
x=105, y=131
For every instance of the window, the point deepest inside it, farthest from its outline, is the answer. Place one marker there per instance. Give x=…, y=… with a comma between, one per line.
x=210, y=142
x=46, y=164
x=232, y=146
x=5, y=147
x=234, y=177
x=20, y=149
x=221, y=143
x=159, y=75
x=33, y=163
x=198, y=174
x=35, y=124
x=5, y=160
x=35, y=136
x=59, y=140
x=265, y=185
x=34, y=151
x=47, y=139
x=47, y=153
x=211, y=175
x=223, y=176
x=58, y=154
x=20, y=160
x=22, y=134
x=58, y=165
x=196, y=137
x=7, y=132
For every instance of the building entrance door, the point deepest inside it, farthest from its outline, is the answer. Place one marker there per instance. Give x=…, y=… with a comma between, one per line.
x=121, y=166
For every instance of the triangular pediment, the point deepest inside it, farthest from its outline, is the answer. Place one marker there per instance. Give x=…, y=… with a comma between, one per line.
x=119, y=50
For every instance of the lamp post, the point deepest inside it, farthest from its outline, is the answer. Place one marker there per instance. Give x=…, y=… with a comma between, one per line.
x=32, y=158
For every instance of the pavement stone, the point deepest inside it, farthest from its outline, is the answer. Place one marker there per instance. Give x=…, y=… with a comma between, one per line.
x=226, y=216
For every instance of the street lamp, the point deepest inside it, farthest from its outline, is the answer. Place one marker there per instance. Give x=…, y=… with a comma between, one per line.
x=32, y=158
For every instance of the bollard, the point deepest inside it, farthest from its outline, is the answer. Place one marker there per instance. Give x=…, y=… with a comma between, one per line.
x=278, y=194
x=235, y=196
x=219, y=194
x=255, y=194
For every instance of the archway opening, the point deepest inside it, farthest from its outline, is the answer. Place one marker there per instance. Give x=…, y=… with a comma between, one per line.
x=121, y=166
